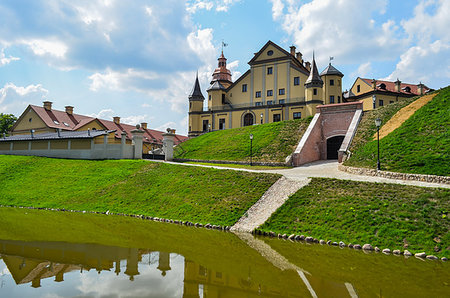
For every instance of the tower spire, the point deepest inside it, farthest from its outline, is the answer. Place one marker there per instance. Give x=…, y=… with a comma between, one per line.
x=314, y=79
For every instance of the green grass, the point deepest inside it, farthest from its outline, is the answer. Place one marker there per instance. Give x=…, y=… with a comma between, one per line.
x=272, y=142
x=384, y=215
x=175, y=192
x=420, y=145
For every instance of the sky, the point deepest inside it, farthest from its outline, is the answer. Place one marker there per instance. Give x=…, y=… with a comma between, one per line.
x=138, y=59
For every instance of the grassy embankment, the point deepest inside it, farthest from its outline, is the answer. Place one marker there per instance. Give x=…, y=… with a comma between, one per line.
x=420, y=145
x=272, y=142
x=384, y=215
x=175, y=192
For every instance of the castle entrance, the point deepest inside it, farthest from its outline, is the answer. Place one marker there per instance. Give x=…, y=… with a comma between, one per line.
x=248, y=119
x=333, y=145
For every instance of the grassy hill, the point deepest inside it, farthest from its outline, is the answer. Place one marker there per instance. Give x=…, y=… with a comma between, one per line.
x=132, y=187
x=272, y=142
x=420, y=145
x=384, y=215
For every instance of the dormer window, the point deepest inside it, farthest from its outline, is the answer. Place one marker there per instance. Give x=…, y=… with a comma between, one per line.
x=56, y=122
x=407, y=89
x=382, y=86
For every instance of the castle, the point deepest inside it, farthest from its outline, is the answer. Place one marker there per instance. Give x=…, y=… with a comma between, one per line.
x=279, y=85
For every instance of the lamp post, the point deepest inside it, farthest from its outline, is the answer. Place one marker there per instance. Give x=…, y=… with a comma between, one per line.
x=251, y=149
x=261, y=118
x=378, y=124
x=209, y=127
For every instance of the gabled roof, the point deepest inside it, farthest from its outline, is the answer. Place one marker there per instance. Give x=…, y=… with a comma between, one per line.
x=196, y=93
x=390, y=87
x=286, y=53
x=331, y=70
x=58, y=119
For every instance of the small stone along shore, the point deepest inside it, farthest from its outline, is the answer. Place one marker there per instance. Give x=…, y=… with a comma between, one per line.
x=366, y=247
x=395, y=175
x=292, y=237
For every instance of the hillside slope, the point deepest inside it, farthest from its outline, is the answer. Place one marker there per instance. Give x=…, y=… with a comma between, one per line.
x=272, y=142
x=420, y=145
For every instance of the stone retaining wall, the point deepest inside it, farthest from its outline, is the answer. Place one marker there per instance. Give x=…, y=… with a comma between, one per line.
x=268, y=164
x=395, y=175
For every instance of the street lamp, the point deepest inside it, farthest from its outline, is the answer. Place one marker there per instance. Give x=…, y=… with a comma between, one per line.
x=251, y=149
x=378, y=124
x=209, y=127
x=261, y=118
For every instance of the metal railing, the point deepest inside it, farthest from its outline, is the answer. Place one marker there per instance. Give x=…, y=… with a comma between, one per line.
x=258, y=104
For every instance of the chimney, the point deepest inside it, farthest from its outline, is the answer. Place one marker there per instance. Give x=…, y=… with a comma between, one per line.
x=116, y=120
x=69, y=110
x=398, y=86
x=293, y=51
x=299, y=57
x=420, y=88
x=308, y=65
x=374, y=84
x=144, y=125
x=48, y=105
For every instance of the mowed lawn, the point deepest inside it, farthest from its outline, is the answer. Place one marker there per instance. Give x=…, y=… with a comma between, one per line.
x=175, y=192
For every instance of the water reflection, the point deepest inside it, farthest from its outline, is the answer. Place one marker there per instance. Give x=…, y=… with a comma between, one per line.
x=51, y=254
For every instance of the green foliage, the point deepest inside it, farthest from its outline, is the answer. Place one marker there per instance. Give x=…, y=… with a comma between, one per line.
x=133, y=187
x=6, y=122
x=272, y=142
x=420, y=145
x=384, y=215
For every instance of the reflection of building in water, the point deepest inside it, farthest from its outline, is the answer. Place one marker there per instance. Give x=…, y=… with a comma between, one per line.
x=164, y=262
x=34, y=261
x=219, y=284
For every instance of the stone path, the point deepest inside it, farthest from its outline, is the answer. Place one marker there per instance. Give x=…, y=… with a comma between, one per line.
x=272, y=199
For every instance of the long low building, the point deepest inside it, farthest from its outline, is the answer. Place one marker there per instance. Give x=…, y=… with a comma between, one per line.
x=45, y=119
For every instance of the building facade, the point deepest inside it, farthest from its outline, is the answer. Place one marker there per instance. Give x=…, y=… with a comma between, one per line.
x=46, y=119
x=377, y=93
x=279, y=85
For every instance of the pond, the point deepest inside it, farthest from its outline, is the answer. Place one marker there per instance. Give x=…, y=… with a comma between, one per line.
x=66, y=254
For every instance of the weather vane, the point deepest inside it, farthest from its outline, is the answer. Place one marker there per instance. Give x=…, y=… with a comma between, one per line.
x=224, y=45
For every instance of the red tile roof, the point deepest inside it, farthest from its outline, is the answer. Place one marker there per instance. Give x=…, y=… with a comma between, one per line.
x=72, y=122
x=390, y=86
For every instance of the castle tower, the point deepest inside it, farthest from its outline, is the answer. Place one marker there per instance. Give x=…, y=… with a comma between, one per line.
x=313, y=87
x=196, y=100
x=222, y=74
x=332, y=91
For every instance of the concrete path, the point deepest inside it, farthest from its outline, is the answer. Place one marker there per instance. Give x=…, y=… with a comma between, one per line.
x=325, y=169
x=271, y=200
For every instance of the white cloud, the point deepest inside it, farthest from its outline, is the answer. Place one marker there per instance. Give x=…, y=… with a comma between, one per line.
x=200, y=42
x=198, y=5
x=333, y=28
x=193, y=6
x=6, y=60
x=14, y=99
x=429, y=64
x=136, y=119
x=43, y=47
x=364, y=70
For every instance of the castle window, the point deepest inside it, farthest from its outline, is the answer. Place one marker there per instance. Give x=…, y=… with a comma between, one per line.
x=269, y=92
x=296, y=81
x=269, y=70
x=205, y=125
x=297, y=115
x=276, y=117
x=31, y=119
x=391, y=101
x=223, y=98
x=190, y=105
x=244, y=88
x=331, y=98
x=221, y=124
x=339, y=99
x=209, y=97
x=258, y=103
x=358, y=88
x=269, y=102
x=281, y=91
x=380, y=103
x=315, y=91
x=269, y=53
x=331, y=82
x=258, y=94
x=281, y=101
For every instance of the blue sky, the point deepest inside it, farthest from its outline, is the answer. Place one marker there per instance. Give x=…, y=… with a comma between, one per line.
x=138, y=59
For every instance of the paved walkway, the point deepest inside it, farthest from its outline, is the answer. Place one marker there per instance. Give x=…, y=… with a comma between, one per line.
x=326, y=169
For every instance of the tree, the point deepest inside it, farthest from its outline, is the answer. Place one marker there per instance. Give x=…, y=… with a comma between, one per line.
x=6, y=122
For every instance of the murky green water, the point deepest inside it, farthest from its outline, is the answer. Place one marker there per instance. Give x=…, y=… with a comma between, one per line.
x=62, y=254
